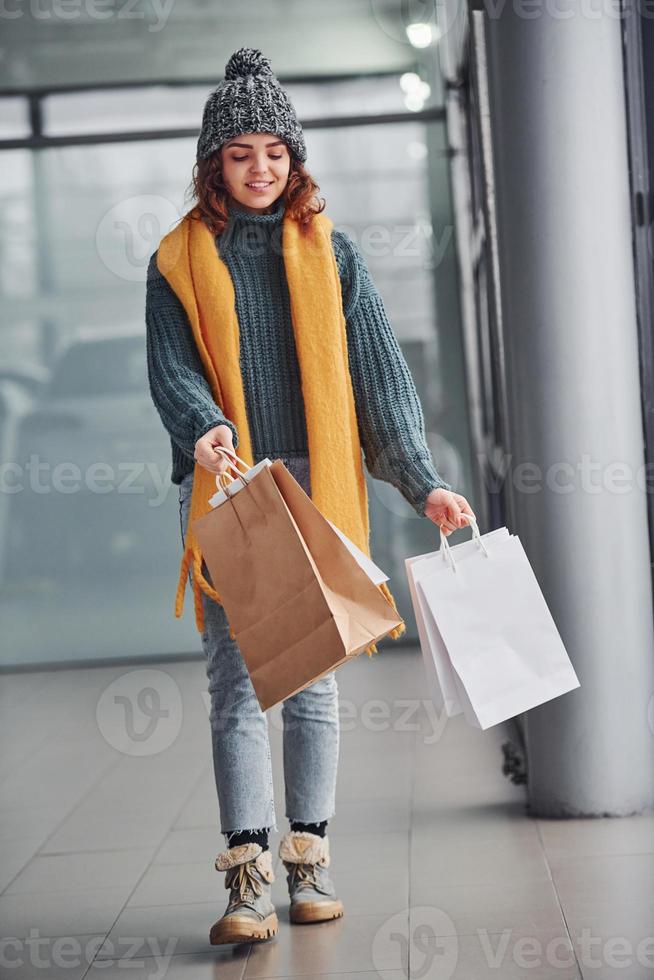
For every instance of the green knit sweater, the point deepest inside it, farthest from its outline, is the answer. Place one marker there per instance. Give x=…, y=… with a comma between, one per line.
x=389, y=414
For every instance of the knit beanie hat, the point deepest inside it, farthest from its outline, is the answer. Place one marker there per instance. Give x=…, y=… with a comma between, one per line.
x=249, y=100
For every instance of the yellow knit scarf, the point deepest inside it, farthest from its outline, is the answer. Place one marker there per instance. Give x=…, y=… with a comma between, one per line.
x=189, y=260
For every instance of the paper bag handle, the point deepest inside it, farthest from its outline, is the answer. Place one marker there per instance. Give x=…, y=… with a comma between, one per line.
x=476, y=537
x=230, y=456
x=239, y=476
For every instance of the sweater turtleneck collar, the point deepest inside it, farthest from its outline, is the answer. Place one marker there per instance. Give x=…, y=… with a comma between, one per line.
x=247, y=230
x=240, y=215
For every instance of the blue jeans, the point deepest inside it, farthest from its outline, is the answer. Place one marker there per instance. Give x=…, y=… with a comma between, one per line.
x=241, y=747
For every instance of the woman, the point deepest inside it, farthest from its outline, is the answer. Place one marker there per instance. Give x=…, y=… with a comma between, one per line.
x=231, y=368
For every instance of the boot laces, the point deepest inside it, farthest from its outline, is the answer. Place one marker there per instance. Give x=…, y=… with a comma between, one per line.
x=244, y=881
x=305, y=875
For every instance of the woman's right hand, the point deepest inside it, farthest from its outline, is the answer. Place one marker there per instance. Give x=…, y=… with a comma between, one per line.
x=206, y=455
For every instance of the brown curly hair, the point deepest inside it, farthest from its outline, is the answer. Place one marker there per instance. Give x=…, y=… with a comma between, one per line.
x=211, y=195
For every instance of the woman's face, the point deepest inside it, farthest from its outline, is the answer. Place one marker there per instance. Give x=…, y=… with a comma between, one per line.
x=252, y=160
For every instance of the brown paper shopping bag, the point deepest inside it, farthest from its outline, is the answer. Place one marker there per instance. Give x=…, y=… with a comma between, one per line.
x=297, y=600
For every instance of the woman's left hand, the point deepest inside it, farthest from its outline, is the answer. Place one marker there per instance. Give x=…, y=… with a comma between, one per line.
x=444, y=508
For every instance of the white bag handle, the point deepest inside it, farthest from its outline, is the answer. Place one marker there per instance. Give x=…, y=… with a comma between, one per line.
x=476, y=537
x=239, y=476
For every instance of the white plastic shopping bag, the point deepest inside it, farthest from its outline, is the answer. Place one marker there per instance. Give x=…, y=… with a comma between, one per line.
x=488, y=614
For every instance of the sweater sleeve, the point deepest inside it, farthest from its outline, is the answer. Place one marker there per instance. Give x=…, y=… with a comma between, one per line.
x=389, y=413
x=178, y=385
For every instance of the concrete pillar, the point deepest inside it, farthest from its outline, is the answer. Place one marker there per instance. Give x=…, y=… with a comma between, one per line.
x=560, y=146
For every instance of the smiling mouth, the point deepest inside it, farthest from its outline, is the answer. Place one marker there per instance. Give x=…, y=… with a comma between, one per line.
x=259, y=184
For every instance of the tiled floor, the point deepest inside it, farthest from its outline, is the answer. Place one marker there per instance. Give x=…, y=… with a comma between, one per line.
x=107, y=843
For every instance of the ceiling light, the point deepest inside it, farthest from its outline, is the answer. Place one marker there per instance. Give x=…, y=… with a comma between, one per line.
x=420, y=35
x=410, y=81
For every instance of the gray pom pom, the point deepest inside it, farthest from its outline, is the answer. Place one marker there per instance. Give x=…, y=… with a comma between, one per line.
x=247, y=61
